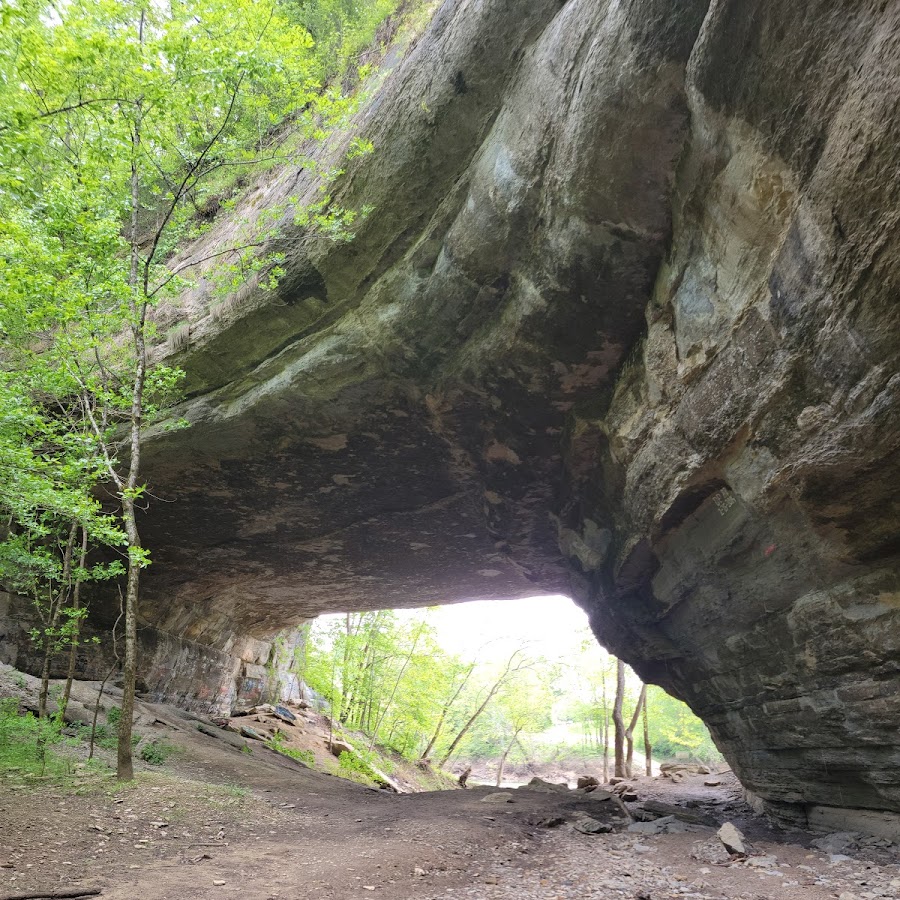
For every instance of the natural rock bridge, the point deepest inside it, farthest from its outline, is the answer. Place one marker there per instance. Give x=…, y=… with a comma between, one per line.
x=623, y=323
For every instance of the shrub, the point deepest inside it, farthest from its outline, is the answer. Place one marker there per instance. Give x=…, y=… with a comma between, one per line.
x=157, y=751
x=354, y=768
x=25, y=741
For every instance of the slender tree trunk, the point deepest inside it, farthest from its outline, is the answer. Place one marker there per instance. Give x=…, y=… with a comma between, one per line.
x=73, y=643
x=605, y=729
x=629, y=734
x=106, y=678
x=345, y=668
x=125, y=763
x=56, y=608
x=403, y=669
x=502, y=765
x=507, y=672
x=444, y=711
x=648, y=750
x=618, y=721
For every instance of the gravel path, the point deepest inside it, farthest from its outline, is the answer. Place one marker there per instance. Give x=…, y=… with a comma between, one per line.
x=609, y=867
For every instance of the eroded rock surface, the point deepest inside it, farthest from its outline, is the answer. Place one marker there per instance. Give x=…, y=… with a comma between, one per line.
x=623, y=324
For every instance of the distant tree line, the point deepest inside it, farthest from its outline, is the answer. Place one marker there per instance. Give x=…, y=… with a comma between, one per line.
x=387, y=676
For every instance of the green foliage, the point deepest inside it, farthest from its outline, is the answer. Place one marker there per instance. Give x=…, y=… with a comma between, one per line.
x=276, y=742
x=522, y=708
x=157, y=751
x=356, y=768
x=674, y=729
x=32, y=747
x=305, y=756
x=382, y=674
x=340, y=29
x=106, y=736
x=25, y=741
x=121, y=124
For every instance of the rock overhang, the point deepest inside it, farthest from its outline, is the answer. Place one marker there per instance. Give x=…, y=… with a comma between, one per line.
x=622, y=325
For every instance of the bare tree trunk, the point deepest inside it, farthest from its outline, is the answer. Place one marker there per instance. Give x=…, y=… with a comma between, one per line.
x=509, y=747
x=508, y=672
x=618, y=722
x=124, y=762
x=403, y=668
x=605, y=729
x=56, y=608
x=115, y=666
x=73, y=642
x=648, y=750
x=629, y=734
x=444, y=711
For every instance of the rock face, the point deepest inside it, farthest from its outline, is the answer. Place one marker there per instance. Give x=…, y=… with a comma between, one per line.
x=622, y=323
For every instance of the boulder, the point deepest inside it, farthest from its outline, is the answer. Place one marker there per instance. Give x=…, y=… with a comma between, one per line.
x=222, y=735
x=547, y=787
x=838, y=842
x=285, y=715
x=497, y=797
x=338, y=747
x=589, y=825
x=733, y=841
x=654, y=809
x=658, y=826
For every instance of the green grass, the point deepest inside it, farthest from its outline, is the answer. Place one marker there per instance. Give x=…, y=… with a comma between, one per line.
x=157, y=751
x=276, y=743
x=30, y=748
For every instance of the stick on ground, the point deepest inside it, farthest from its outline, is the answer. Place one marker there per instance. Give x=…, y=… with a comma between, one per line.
x=71, y=894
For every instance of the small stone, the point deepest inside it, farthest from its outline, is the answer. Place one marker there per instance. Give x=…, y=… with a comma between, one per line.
x=219, y=883
x=763, y=862
x=418, y=870
x=712, y=782
x=587, y=781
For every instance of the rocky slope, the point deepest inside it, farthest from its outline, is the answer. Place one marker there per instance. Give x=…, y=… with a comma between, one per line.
x=622, y=324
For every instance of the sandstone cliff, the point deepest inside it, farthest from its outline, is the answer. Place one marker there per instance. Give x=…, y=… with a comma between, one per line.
x=623, y=324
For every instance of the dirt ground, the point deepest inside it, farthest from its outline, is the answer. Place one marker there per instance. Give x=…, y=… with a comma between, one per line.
x=218, y=822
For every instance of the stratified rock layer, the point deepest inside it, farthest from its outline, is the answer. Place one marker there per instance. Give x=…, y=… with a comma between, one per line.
x=749, y=464
x=622, y=323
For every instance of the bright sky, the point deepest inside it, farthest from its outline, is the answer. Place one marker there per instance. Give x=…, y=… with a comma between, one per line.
x=551, y=626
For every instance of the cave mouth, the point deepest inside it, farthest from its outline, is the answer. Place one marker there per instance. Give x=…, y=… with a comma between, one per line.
x=499, y=691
